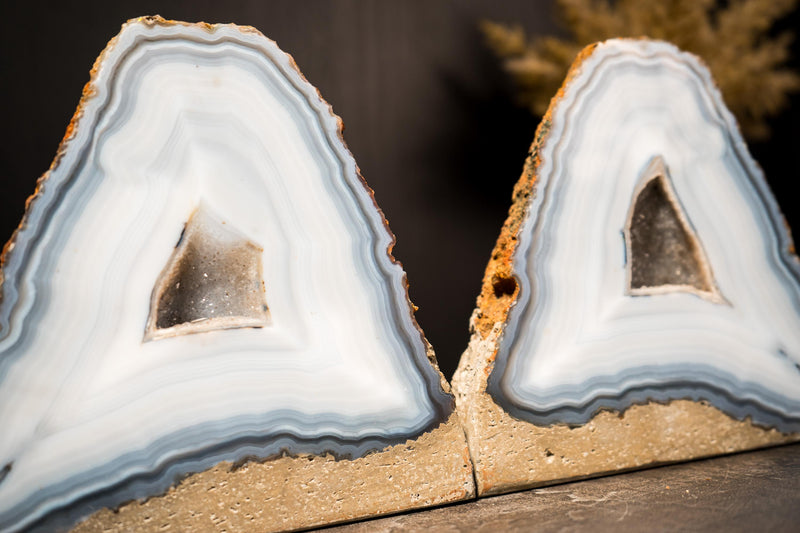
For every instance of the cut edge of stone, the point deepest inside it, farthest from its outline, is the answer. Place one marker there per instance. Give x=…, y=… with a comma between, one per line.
x=509, y=454
x=298, y=492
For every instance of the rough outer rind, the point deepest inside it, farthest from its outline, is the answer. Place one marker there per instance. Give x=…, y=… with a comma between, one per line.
x=86, y=94
x=493, y=304
x=510, y=454
x=289, y=493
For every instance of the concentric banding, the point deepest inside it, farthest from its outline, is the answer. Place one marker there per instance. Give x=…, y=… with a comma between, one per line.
x=575, y=342
x=179, y=116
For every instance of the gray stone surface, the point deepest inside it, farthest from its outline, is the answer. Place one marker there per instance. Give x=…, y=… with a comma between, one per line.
x=754, y=491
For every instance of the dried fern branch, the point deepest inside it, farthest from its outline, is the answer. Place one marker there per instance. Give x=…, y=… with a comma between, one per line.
x=734, y=41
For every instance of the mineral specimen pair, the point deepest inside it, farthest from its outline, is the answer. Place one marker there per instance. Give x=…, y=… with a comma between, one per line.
x=240, y=351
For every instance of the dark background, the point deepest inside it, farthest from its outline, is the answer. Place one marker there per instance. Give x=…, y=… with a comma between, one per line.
x=428, y=115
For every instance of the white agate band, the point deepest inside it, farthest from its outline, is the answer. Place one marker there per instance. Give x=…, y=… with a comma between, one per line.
x=579, y=339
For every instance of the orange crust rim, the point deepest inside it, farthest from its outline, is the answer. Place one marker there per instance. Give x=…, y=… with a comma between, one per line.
x=499, y=290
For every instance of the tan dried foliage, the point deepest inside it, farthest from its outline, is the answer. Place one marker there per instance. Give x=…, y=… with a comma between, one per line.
x=746, y=62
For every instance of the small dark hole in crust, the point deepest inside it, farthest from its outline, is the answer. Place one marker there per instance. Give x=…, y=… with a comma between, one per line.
x=503, y=286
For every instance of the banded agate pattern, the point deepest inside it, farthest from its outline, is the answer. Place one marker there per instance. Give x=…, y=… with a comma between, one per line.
x=314, y=349
x=712, y=309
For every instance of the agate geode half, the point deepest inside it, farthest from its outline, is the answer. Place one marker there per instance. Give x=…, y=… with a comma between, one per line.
x=202, y=276
x=644, y=262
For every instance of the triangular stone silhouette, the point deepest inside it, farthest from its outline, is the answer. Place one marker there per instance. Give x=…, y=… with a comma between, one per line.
x=288, y=386
x=652, y=309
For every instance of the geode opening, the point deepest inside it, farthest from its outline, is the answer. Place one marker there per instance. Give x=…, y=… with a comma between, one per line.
x=665, y=253
x=211, y=281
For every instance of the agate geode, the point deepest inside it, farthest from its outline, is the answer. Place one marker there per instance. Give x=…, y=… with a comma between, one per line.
x=644, y=262
x=202, y=276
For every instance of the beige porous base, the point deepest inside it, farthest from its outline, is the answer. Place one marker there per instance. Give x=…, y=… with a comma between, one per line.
x=510, y=454
x=290, y=493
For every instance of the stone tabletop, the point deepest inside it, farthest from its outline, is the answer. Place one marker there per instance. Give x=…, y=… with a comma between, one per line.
x=754, y=491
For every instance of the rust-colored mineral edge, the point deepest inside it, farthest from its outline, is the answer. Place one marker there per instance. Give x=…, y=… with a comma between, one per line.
x=499, y=290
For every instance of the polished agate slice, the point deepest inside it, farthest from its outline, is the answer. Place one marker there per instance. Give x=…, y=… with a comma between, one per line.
x=202, y=276
x=644, y=262
x=615, y=309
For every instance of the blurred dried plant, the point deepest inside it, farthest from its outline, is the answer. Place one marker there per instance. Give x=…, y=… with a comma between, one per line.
x=733, y=39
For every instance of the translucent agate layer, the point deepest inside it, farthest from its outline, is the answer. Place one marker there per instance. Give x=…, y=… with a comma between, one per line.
x=652, y=261
x=202, y=276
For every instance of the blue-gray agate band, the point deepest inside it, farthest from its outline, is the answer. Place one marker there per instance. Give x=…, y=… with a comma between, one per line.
x=581, y=337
